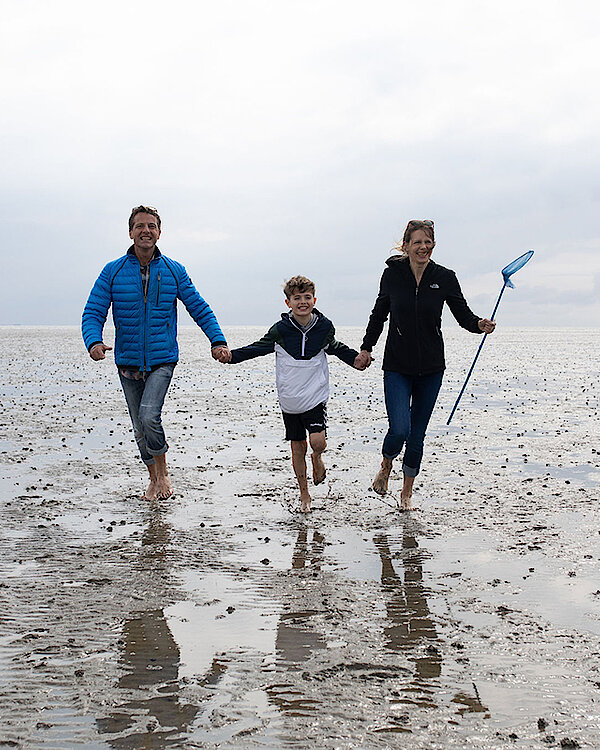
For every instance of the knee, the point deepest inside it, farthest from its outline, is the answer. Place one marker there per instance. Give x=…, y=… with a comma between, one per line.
x=318, y=442
x=149, y=418
x=298, y=447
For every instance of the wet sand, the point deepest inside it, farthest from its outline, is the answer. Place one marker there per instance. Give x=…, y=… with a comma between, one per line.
x=224, y=618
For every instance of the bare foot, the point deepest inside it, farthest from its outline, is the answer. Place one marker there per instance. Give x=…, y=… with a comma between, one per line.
x=319, y=471
x=406, y=502
x=151, y=492
x=380, y=483
x=305, y=501
x=164, y=488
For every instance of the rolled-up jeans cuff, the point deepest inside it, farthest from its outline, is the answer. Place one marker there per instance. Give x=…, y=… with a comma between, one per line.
x=149, y=461
x=159, y=452
x=410, y=471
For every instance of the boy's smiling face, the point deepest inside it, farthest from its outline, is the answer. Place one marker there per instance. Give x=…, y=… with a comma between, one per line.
x=301, y=304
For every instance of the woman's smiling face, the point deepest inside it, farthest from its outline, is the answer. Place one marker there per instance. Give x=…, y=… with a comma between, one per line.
x=419, y=248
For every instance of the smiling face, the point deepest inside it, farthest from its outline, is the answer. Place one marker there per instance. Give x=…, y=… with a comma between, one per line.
x=419, y=248
x=301, y=304
x=144, y=233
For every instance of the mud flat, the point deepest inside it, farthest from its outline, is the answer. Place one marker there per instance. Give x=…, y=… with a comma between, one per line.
x=223, y=618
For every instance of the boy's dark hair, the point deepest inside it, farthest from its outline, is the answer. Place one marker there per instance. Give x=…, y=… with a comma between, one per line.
x=298, y=284
x=143, y=210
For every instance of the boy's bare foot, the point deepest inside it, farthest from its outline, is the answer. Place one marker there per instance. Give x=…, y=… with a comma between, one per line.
x=305, y=501
x=319, y=471
x=380, y=483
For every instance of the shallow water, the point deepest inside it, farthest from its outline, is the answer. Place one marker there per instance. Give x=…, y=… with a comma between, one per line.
x=222, y=617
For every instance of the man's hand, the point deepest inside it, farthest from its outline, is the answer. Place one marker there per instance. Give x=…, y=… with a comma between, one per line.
x=221, y=354
x=363, y=360
x=486, y=325
x=97, y=351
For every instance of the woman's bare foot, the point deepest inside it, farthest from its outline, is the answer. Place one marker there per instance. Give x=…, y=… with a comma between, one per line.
x=305, y=501
x=319, y=471
x=380, y=483
x=406, y=502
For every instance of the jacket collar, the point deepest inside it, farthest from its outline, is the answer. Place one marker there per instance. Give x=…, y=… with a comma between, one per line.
x=157, y=252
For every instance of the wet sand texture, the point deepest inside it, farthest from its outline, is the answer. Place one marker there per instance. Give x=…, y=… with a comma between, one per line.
x=223, y=618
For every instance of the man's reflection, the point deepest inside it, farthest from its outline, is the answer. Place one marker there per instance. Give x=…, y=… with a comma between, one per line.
x=154, y=716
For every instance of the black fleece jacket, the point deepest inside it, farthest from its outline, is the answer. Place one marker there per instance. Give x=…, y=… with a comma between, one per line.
x=414, y=343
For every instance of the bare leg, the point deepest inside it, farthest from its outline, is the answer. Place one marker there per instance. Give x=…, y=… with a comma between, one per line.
x=380, y=483
x=164, y=488
x=150, y=493
x=299, y=464
x=318, y=445
x=406, y=494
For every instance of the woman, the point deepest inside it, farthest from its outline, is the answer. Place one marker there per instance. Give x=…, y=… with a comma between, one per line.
x=412, y=292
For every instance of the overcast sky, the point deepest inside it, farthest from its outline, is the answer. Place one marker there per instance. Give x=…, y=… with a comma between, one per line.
x=288, y=137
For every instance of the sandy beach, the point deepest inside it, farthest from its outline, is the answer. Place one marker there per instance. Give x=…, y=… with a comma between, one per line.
x=222, y=617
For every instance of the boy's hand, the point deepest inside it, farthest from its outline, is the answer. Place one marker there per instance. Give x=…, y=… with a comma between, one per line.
x=221, y=354
x=363, y=360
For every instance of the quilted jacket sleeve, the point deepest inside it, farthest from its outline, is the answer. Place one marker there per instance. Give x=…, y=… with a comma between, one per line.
x=96, y=309
x=198, y=308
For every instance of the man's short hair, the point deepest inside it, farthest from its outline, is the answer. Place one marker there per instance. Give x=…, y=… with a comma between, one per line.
x=298, y=285
x=143, y=210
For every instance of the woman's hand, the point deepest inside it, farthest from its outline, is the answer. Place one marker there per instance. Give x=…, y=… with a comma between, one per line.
x=486, y=325
x=363, y=360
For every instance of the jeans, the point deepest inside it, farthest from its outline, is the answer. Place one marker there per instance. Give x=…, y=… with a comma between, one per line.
x=145, y=398
x=409, y=400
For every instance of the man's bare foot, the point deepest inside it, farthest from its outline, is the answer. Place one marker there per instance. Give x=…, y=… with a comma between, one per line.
x=305, y=501
x=319, y=471
x=380, y=483
x=151, y=492
x=164, y=488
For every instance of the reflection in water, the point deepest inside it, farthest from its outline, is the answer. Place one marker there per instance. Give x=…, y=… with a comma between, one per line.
x=412, y=629
x=408, y=611
x=295, y=644
x=154, y=716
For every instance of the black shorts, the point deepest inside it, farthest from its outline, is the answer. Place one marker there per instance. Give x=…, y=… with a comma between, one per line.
x=297, y=425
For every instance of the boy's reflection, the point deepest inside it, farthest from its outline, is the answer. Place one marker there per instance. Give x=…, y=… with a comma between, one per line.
x=295, y=644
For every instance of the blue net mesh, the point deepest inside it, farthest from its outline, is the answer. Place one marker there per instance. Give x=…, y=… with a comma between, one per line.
x=511, y=268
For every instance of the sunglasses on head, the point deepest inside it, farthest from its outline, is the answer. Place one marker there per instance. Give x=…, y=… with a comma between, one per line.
x=420, y=223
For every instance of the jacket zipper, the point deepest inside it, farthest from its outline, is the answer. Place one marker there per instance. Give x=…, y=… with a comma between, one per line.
x=417, y=329
x=158, y=288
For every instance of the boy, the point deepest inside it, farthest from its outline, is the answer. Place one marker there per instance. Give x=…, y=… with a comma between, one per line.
x=300, y=340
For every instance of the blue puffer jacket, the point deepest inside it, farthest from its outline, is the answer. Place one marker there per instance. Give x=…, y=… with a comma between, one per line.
x=145, y=329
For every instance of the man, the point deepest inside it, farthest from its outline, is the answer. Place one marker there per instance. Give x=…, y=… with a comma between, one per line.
x=143, y=287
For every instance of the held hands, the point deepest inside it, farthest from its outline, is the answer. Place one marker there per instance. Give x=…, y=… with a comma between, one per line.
x=363, y=360
x=97, y=351
x=221, y=354
x=486, y=325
